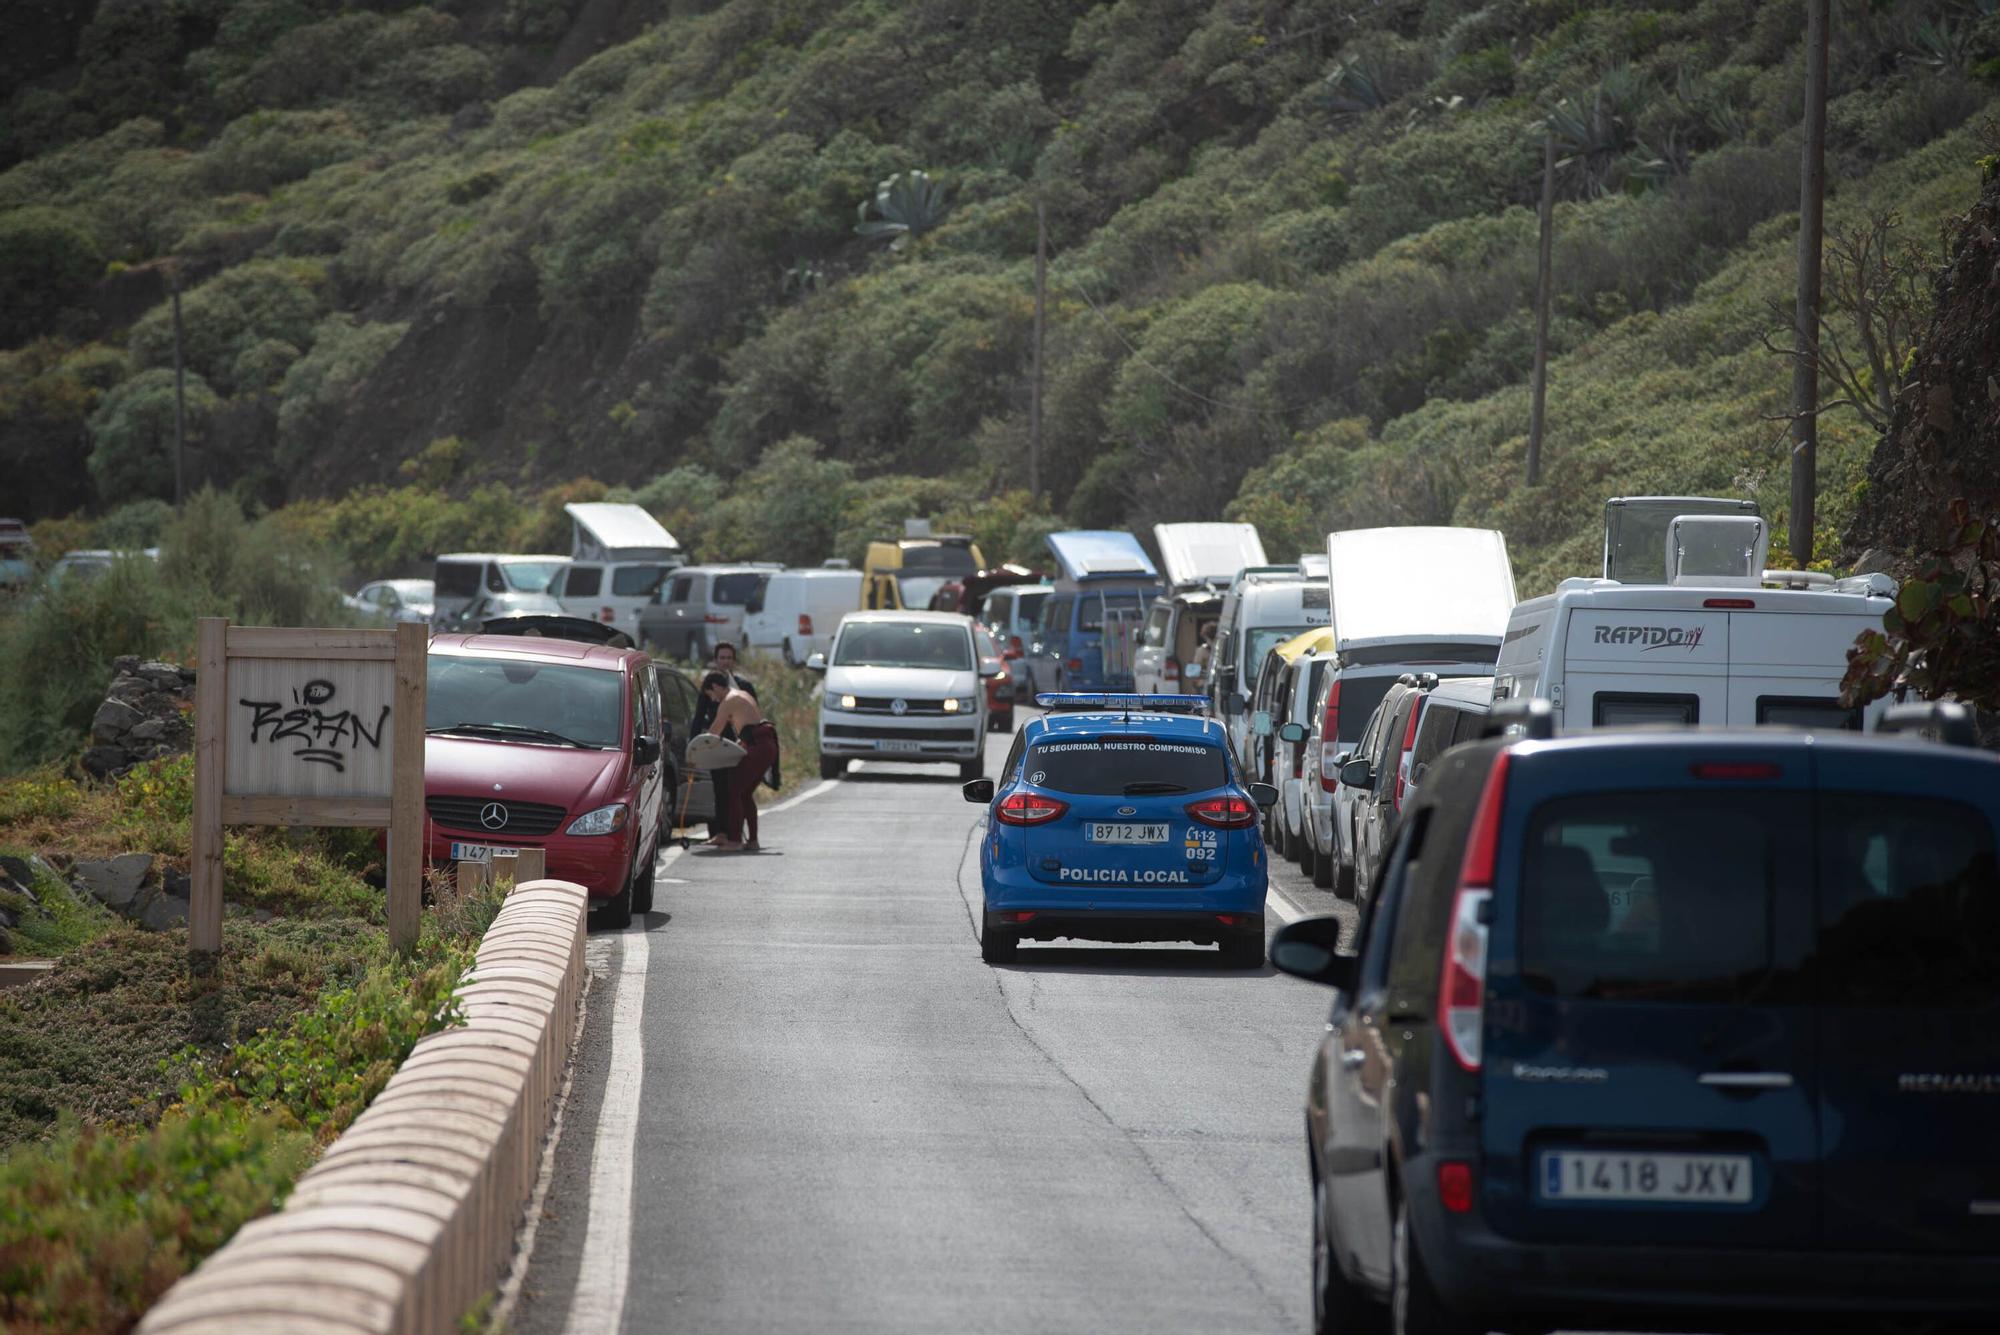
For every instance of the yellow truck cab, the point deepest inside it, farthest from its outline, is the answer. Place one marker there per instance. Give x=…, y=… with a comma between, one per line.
x=905, y=572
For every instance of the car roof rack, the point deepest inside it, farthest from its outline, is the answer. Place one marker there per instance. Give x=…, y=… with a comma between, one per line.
x=1075, y=702
x=1527, y=719
x=1937, y=720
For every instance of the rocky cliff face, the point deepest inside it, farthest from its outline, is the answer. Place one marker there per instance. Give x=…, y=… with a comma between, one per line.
x=1944, y=439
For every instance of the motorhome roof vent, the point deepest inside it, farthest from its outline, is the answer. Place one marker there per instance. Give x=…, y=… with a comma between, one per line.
x=1716, y=550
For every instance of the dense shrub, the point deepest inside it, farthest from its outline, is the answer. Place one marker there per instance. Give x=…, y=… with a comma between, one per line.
x=235, y=310
x=132, y=433
x=48, y=263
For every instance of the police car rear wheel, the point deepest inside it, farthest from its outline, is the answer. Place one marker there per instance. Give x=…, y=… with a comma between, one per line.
x=997, y=946
x=1245, y=949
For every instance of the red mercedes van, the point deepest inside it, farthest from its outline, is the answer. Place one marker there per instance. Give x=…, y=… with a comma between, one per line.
x=552, y=744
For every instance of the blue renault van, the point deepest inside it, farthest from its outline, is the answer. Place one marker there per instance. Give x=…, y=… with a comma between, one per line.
x=1681, y=1030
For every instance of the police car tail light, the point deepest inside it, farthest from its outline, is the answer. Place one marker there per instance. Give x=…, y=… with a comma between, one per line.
x=1227, y=813
x=1462, y=988
x=1329, y=740
x=1403, y=761
x=1028, y=809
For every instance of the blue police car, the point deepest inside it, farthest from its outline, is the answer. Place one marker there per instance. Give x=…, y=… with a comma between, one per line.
x=1121, y=818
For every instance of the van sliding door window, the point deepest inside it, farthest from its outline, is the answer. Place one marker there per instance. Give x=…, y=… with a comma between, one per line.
x=583, y=582
x=1090, y=612
x=1795, y=711
x=1909, y=903
x=1615, y=709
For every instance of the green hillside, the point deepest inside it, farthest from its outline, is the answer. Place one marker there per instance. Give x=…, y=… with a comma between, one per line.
x=442, y=254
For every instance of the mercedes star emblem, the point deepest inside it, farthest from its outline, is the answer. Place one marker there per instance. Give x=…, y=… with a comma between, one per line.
x=493, y=816
x=899, y=707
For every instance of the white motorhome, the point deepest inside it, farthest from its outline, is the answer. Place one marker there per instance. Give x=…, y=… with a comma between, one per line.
x=619, y=556
x=793, y=612
x=1719, y=640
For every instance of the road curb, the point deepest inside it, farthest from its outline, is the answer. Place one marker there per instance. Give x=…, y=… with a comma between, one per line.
x=408, y=1219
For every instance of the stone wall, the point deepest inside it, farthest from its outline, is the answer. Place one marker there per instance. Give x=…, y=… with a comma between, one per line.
x=145, y=715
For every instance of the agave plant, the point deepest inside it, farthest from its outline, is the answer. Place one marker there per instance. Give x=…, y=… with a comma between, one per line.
x=908, y=204
x=1596, y=130
x=1354, y=88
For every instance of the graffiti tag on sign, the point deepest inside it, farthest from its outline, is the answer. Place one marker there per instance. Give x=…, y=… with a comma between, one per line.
x=320, y=734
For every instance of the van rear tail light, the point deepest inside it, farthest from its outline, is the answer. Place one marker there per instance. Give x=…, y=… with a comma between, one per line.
x=1171, y=669
x=1225, y=813
x=1329, y=740
x=805, y=624
x=1403, y=756
x=1735, y=769
x=1455, y=1186
x=716, y=619
x=1028, y=809
x=1073, y=665
x=1462, y=986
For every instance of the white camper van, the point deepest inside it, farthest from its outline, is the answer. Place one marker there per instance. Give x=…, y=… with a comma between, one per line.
x=1200, y=561
x=619, y=556
x=793, y=612
x=1418, y=599
x=1716, y=640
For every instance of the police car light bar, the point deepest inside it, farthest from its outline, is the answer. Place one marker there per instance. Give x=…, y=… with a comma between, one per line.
x=1066, y=701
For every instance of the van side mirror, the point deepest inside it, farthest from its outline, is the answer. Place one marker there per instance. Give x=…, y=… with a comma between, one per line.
x=1358, y=773
x=1292, y=732
x=979, y=790
x=645, y=750
x=816, y=661
x=1308, y=949
x=1264, y=795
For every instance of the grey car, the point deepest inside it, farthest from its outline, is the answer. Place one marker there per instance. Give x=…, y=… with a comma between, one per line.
x=699, y=608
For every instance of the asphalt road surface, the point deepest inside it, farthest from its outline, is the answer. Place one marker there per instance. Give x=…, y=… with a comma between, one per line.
x=802, y=1103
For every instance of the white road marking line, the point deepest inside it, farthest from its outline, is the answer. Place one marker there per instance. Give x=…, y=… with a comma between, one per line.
x=824, y=786
x=1286, y=910
x=598, y=1304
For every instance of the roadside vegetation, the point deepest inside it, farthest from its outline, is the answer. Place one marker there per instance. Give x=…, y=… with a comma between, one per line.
x=770, y=267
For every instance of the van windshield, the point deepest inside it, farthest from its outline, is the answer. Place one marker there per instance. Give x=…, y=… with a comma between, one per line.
x=529, y=576
x=1618, y=902
x=1109, y=766
x=903, y=644
x=1264, y=639
x=583, y=705
x=938, y=558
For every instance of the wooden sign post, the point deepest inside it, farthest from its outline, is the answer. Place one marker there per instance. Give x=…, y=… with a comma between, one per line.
x=309, y=727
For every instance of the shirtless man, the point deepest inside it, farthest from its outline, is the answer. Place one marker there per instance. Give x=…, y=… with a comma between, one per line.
x=737, y=708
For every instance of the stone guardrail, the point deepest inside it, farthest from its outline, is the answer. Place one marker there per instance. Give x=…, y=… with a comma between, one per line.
x=408, y=1219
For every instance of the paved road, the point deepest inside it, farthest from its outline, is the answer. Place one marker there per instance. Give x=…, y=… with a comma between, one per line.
x=845, y=1121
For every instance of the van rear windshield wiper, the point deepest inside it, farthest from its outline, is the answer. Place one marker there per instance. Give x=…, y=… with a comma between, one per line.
x=1146, y=787
x=514, y=730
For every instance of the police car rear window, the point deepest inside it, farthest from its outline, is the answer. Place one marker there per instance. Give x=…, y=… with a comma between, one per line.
x=1115, y=765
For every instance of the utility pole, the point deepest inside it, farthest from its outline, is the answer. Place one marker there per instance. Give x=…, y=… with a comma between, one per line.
x=1041, y=324
x=1544, y=282
x=180, y=394
x=1805, y=320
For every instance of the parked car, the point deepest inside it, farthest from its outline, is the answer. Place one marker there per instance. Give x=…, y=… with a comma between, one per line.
x=1378, y=773
x=17, y=555
x=902, y=686
x=83, y=565
x=394, y=600
x=1167, y=661
x=1013, y=615
x=1281, y=695
x=905, y=573
x=1720, y=641
x=699, y=608
x=1115, y=820
x=550, y=743
x=999, y=683
x=619, y=556
x=468, y=587
x=793, y=612
x=1454, y=713
x=1679, y=1030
